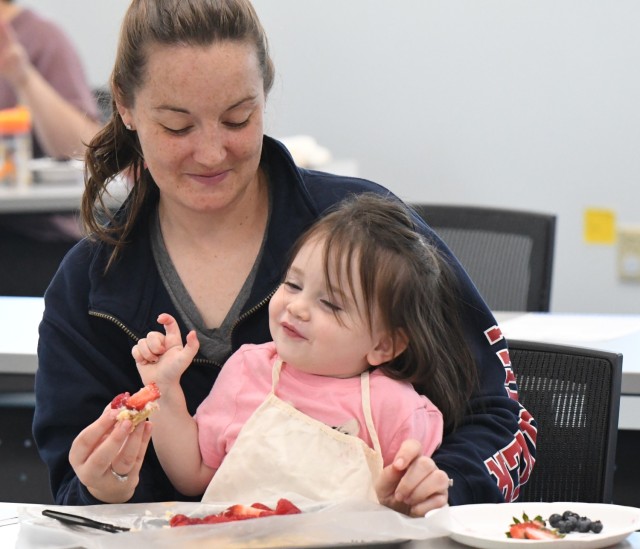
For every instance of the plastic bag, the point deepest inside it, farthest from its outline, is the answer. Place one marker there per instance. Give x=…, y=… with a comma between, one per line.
x=318, y=524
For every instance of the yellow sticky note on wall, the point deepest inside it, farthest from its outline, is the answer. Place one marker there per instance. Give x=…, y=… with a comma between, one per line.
x=599, y=226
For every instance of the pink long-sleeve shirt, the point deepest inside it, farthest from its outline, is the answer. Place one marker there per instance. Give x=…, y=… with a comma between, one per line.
x=398, y=411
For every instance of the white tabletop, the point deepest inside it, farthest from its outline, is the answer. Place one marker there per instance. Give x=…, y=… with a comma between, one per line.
x=618, y=333
x=19, y=320
x=53, y=197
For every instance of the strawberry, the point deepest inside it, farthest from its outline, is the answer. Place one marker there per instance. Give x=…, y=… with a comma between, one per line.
x=242, y=511
x=217, y=519
x=261, y=506
x=180, y=520
x=531, y=529
x=285, y=507
x=148, y=393
x=517, y=531
x=537, y=532
x=120, y=401
x=238, y=512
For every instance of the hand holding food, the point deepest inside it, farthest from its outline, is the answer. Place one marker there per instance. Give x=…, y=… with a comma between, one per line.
x=136, y=407
x=107, y=456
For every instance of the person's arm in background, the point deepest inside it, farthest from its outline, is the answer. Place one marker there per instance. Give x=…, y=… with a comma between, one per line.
x=61, y=127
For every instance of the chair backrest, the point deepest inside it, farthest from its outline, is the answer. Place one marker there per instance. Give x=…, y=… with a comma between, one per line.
x=30, y=262
x=507, y=253
x=574, y=395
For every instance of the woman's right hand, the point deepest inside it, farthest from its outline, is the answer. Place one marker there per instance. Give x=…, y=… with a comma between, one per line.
x=107, y=456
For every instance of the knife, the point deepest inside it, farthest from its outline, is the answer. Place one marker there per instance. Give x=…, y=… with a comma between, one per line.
x=78, y=520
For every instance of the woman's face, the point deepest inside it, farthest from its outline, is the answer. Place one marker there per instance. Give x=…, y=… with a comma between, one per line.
x=199, y=120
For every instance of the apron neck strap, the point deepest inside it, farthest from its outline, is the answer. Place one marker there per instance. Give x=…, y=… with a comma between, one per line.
x=275, y=374
x=366, y=401
x=366, y=409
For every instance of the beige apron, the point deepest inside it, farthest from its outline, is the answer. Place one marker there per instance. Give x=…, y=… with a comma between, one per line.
x=281, y=451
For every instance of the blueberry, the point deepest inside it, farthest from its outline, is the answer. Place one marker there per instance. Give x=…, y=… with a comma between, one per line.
x=584, y=524
x=572, y=523
x=554, y=519
x=596, y=527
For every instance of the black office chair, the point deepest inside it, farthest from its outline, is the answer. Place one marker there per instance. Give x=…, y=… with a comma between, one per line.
x=574, y=396
x=507, y=253
x=24, y=477
x=29, y=262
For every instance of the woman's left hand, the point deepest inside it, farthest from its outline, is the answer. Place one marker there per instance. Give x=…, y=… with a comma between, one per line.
x=412, y=484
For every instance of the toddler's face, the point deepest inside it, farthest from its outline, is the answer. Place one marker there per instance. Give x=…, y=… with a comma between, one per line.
x=314, y=331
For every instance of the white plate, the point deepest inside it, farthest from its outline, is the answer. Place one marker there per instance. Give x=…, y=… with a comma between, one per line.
x=484, y=526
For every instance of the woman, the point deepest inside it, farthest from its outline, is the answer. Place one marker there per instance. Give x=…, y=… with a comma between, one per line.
x=204, y=236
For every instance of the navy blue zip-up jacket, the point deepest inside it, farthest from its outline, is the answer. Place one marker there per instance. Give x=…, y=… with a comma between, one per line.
x=91, y=322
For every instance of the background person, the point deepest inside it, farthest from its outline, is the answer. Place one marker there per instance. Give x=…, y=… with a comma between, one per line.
x=40, y=69
x=204, y=236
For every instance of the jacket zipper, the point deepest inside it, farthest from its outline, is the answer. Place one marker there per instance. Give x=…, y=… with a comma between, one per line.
x=135, y=338
x=253, y=309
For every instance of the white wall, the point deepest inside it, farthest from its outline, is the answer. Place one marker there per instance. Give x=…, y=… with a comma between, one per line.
x=526, y=104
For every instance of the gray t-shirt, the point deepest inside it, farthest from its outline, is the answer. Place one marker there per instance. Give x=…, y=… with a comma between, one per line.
x=215, y=343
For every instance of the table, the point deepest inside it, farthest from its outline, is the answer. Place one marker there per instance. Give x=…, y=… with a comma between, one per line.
x=20, y=316
x=50, y=198
x=610, y=332
x=9, y=535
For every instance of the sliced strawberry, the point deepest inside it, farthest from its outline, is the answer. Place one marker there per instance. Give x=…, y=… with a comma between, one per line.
x=540, y=532
x=242, y=511
x=217, y=519
x=518, y=530
x=120, y=400
x=139, y=400
x=539, y=521
x=238, y=512
x=180, y=520
x=531, y=529
x=285, y=507
x=261, y=506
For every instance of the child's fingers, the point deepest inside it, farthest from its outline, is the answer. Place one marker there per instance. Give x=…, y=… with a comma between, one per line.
x=138, y=357
x=149, y=349
x=172, y=330
x=155, y=344
x=192, y=345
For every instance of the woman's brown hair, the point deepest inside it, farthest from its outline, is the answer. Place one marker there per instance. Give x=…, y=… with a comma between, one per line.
x=115, y=150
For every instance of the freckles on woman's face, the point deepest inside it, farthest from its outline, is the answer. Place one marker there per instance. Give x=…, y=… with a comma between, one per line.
x=199, y=118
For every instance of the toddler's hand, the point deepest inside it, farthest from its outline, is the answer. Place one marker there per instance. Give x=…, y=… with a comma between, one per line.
x=162, y=357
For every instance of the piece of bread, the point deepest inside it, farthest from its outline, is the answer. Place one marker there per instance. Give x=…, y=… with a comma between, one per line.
x=138, y=406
